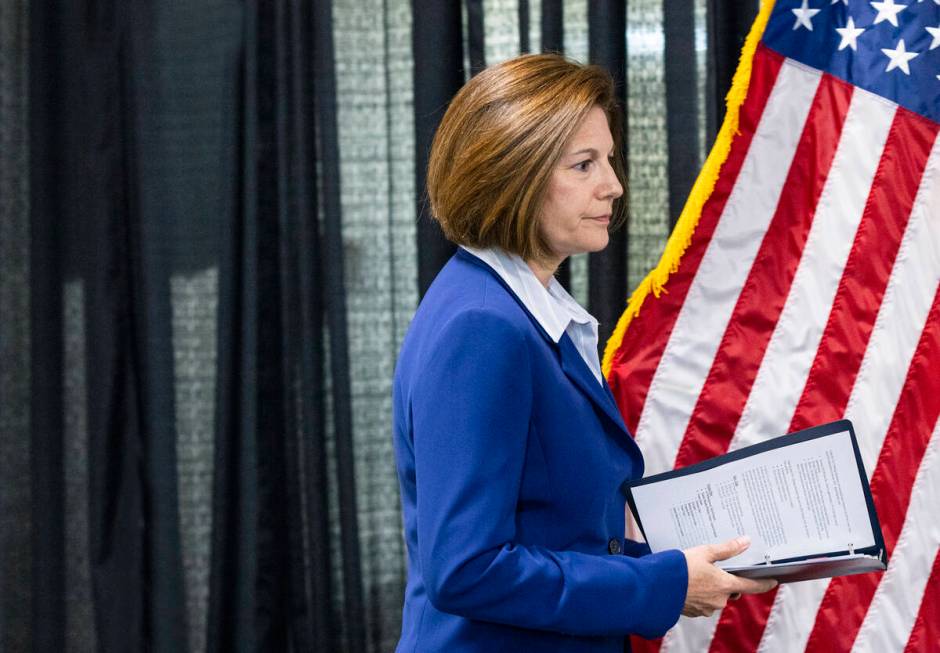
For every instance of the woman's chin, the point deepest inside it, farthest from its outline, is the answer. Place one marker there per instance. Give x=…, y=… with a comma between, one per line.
x=585, y=244
x=597, y=243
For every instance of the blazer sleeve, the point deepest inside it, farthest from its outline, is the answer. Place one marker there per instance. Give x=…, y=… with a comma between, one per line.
x=471, y=409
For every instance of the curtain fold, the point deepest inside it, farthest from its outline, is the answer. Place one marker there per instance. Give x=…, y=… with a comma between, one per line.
x=607, y=270
x=438, y=75
x=39, y=576
x=553, y=40
x=682, y=125
x=283, y=273
x=335, y=300
x=728, y=24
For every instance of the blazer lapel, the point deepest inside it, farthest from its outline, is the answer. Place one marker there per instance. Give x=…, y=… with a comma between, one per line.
x=572, y=364
x=580, y=374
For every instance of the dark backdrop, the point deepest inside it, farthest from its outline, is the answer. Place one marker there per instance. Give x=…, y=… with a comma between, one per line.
x=212, y=237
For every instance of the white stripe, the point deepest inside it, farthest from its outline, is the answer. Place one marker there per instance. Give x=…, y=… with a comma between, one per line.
x=895, y=605
x=913, y=556
x=792, y=347
x=780, y=633
x=901, y=318
x=688, y=356
x=690, y=634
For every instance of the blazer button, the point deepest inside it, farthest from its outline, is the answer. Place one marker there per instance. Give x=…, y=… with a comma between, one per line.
x=613, y=546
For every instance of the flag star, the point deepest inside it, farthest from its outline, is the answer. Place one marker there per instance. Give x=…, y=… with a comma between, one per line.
x=850, y=34
x=888, y=11
x=845, y=2
x=804, y=15
x=899, y=58
x=935, y=33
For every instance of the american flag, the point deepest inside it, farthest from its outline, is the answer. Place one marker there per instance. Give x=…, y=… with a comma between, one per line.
x=802, y=285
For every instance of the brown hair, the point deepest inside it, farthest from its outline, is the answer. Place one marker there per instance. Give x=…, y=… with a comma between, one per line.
x=499, y=141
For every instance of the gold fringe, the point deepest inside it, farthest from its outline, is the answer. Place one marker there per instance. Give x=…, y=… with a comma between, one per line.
x=681, y=236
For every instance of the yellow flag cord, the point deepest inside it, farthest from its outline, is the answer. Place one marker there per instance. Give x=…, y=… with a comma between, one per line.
x=681, y=236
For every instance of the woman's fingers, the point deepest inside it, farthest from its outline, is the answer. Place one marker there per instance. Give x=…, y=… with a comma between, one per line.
x=710, y=587
x=753, y=586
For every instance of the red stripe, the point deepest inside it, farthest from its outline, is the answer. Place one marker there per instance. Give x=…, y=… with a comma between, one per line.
x=847, y=598
x=867, y=270
x=849, y=326
x=635, y=361
x=640, y=645
x=763, y=295
x=925, y=636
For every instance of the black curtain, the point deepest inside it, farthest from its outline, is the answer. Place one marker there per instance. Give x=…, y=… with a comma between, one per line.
x=553, y=40
x=166, y=140
x=181, y=456
x=682, y=108
x=437, y=44
x=607, y=270
x=728, y=24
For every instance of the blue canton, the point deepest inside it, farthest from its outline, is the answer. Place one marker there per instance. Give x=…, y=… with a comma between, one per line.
x=889, y=47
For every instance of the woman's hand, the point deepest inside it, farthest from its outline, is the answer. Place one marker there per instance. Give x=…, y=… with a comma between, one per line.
x=709, y=586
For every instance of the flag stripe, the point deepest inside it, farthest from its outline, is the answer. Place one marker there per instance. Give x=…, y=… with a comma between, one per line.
x=631, y=375
x=817, y=148
x=640, y=645
x=849, y=325
x=902, y=314
x=695, y=635
x=725, y=265
x=900, y=321
x=925, y=637
x=795, y=339
x=735, y=366
x=691, y=634
x=867, y=270
x=891, y=615
x=792, y=616
x=891, y=486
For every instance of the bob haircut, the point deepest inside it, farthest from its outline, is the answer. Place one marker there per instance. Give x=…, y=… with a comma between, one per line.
x=499, y=142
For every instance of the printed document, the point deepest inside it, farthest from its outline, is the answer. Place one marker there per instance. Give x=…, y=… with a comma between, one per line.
x=803, y=499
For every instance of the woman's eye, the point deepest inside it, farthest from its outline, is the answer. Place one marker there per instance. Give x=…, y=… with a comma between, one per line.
x=583, y=166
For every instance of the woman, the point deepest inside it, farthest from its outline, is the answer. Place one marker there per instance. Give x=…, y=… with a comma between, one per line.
x=510, y=449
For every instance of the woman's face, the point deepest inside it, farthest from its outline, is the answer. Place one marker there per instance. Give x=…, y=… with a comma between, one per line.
x=581, y=192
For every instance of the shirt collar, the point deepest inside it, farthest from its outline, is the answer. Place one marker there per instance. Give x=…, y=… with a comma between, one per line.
x=552, y=307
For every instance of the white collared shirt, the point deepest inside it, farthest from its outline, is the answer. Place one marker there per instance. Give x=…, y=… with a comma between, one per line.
x=556, y=311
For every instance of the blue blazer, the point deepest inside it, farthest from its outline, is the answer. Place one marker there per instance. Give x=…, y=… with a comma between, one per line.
x=510, y=458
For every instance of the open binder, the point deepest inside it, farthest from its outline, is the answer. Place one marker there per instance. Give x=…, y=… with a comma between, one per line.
x=803, y=498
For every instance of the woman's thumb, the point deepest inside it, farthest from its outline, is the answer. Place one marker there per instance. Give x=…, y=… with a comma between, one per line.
x=730, y=548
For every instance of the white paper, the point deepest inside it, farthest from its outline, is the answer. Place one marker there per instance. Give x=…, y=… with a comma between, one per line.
x=797, y=500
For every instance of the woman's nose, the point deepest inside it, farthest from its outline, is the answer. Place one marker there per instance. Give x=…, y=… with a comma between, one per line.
x=610, y=186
